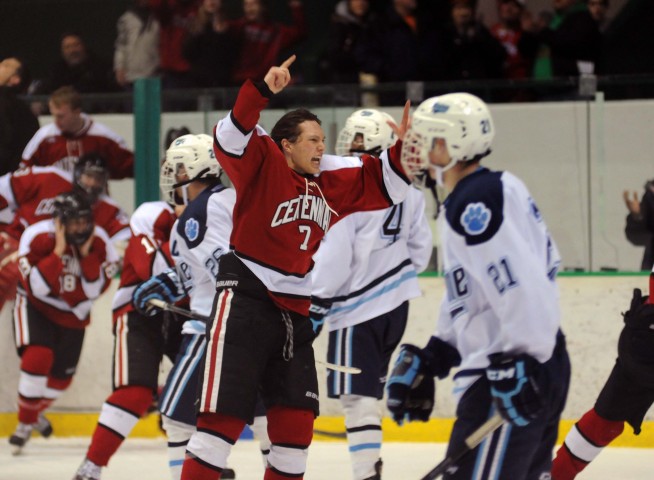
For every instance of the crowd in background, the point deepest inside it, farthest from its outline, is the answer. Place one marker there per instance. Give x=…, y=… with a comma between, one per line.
x=195, y=44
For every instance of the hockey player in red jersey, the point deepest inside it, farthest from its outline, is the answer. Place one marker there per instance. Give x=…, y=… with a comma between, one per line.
x=65, y=264
x=260, y=333
x=72, y=134
x=139, y=343
x=626, y=396
x=27, y=196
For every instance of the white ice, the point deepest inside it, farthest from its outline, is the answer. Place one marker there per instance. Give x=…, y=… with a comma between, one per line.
x=137, y=459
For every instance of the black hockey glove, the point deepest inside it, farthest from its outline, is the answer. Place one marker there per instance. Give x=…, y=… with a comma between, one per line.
x=514, y=387
x=411, y=386
x=165, y=287
x=319, y=308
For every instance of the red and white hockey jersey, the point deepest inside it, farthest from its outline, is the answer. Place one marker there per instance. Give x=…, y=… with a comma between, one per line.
x=147, y=253
x=63, y=288
x=49, y=146
x=280, y=216
x=27, y=197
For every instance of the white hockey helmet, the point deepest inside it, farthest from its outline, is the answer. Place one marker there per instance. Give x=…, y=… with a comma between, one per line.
x=461, y=119
x=372, y=128
x=193, y=153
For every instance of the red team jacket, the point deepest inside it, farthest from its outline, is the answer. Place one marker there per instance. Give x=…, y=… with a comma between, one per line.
x=280, y=216
x=49, y=146
x=63, y=288
x=147, y=253
x=27, y=196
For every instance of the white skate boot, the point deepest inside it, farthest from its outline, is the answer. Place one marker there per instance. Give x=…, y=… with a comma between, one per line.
x=88, y=471
x=43, y=426
x=20, y=437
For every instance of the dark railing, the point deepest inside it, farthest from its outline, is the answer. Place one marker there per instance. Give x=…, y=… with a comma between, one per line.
x=389, y=94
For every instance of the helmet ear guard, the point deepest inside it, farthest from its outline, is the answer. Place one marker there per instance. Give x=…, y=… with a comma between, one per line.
x=368, y=127
x=462, y=120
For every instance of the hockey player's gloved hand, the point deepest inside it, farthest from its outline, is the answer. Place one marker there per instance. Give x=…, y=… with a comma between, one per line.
x=165, y=286
x=410, y=387
x=319, y=308
x=514, y=387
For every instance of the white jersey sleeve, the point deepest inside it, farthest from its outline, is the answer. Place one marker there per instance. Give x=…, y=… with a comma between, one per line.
x=500, y=268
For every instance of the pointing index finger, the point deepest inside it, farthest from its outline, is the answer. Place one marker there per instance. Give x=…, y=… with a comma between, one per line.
x=288, y=62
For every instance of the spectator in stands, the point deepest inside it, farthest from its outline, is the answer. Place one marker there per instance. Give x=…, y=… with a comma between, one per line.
x=211, y=46
x=347, y=24
x=174, y=16
x=17, y=122
x=78, y=68
x=507, y=31
x=74, y=133
x=399, y=45
x=568, y=46
x=264, y=39
x=469, y=50
x=639, y=229
x=136, y=52
x=599, y=11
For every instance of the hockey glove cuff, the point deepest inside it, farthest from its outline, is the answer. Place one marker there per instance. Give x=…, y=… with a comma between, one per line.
x=319, y=308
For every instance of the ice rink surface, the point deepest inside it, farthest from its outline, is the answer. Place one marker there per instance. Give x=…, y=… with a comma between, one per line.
x=57, y=459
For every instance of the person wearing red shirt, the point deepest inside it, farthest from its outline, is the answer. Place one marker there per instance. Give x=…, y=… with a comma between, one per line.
x=65, y=264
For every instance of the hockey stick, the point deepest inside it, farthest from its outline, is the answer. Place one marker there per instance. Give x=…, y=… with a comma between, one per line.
x=474, y=439
x=155, y=302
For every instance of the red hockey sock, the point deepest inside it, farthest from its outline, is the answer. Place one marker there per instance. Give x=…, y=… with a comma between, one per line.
x=106, y=438
x=35, y=364
x=288, y=427
x=582, y=444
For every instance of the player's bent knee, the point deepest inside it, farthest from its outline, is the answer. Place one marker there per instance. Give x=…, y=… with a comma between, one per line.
x=291, y=426
x=177, y=432
x=360, y=410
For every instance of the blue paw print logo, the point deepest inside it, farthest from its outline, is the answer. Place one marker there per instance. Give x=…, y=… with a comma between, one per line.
x=192, y=229
x=475, y=218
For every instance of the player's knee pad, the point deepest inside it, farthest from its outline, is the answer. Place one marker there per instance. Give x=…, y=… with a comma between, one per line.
x=360, y=410
x=292, y=426
x=36, y=360
x=177, y=432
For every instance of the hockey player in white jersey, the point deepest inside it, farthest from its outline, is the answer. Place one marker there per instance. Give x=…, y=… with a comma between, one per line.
x=500, y=318
x=365, y=274
x=199, y=237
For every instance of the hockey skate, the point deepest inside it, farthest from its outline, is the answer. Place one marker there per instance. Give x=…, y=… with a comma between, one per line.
x=43, y=426
x=88, y=471
x=378, y=470
x=20, y=437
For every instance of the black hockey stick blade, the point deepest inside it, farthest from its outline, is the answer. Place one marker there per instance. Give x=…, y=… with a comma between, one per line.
x=474, y=439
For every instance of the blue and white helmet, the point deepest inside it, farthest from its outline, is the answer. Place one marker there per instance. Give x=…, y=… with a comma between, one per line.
x=461, y=119
x=191, y=156
x=372, y=126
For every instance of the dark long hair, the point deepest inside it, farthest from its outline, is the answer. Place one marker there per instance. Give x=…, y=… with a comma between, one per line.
x=288, y=127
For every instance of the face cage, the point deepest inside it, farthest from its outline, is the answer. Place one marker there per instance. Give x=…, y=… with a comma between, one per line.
x=414, y=154
x=79, y=238
x=166, y=183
